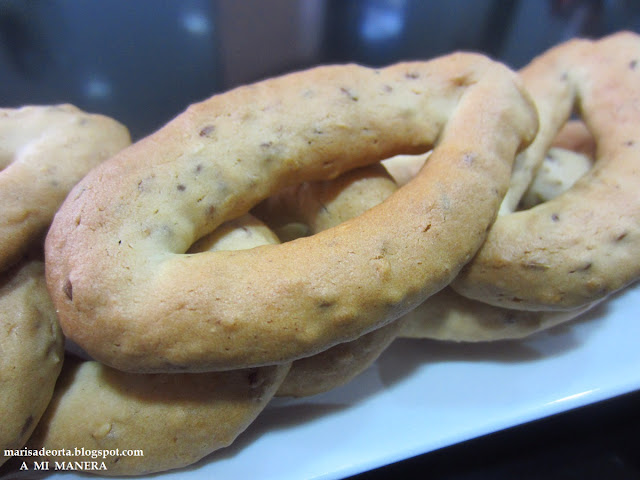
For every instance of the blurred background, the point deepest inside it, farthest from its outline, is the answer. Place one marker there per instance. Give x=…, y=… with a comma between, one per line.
x=144, y=61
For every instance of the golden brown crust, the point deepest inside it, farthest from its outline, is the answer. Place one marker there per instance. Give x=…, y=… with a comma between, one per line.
x=99, y=408
x=582, y=245
x=44, y=151
x=318, y=206
x=173, y=419
x=448, y=316
x=266, y=305
x=176, y=419
x=32, y=349
x=339, y=364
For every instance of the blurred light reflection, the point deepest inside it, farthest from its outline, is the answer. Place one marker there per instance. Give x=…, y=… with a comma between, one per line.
x=97, y=88
x=196, y=23
x=383, y=21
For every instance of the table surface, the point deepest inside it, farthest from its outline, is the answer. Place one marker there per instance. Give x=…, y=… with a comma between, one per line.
x=599, y=441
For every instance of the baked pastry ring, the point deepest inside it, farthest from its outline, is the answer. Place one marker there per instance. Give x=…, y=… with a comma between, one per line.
x=32, y=351
x=444, y=316
x=314, y=206
x=129, y=295
x=582, y=245
x=44, y=151
x=174, y=419
x=449, y=316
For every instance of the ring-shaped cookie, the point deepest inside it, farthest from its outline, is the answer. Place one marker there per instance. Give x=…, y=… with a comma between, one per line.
x=44, y=151
x=173, y=419
x=449, y=316
x=582, y=245
x=444, y=316
x=31, y=346
x=129, y=295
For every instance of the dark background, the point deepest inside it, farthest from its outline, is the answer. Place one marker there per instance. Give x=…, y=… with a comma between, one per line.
x=144, y=61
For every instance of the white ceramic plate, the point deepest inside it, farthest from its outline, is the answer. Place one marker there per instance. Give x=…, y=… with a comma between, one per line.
x=423, y=395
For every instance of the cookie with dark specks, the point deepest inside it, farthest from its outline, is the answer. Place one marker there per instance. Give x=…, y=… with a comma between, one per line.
x=583, y=245
x=44, y=151
x=32, y=349
x=128, y=294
